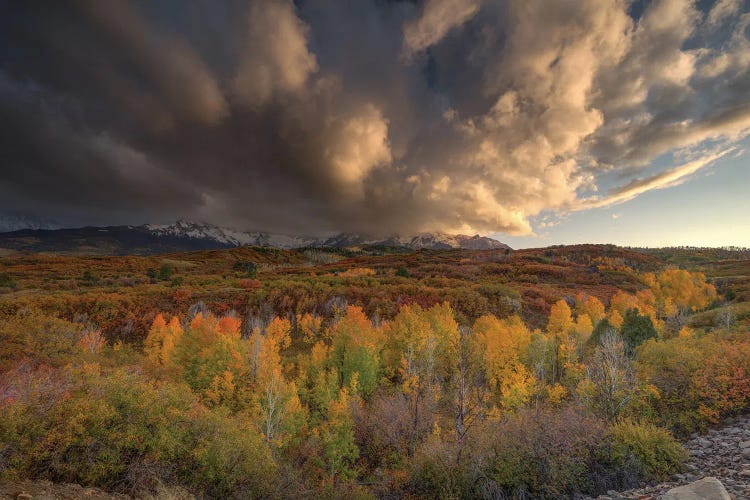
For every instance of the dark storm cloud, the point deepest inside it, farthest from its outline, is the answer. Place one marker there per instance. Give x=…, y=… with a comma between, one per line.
x=373, y=116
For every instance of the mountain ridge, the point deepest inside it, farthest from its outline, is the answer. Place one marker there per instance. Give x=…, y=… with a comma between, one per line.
x=17, y=222
x=187, y=235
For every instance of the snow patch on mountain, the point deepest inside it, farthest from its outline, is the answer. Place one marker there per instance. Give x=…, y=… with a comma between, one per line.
x=234, y=237
x=228, y=236
x=17, y=222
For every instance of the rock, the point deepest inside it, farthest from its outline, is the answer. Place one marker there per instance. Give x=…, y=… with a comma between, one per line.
x=746, y=453
x=24, y=496
x=745, y=444
x=708, y=488
x=705, y=443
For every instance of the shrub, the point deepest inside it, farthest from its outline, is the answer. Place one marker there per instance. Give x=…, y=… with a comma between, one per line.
x=357, y=272
x=652, y=452
x=670, y=366
x=165, y=272
x=539, y=454
x=699, y=379
x=250, y=269
x=88, y=278
x=250, y=284
x=34, y=336
x=121, y=430
x=723, y=382
x=435, y=473
x=6, y=281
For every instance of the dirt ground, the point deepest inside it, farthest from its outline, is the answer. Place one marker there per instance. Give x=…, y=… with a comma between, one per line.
x=46, y=490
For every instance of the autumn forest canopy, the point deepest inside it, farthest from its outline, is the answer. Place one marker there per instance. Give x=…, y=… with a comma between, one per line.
x=266, y=373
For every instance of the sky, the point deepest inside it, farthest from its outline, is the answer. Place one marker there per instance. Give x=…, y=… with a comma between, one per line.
x=537, y=122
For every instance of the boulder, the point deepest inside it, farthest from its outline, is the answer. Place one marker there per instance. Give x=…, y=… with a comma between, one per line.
x=708, y=488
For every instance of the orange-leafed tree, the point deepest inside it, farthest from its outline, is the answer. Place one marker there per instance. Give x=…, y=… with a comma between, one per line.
x=274, y=398
x=309, y=327
x=161, y=340
x=211, y=356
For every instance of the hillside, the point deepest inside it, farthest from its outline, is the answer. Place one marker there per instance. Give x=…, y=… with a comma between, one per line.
x=352, y=372
x=474, y=281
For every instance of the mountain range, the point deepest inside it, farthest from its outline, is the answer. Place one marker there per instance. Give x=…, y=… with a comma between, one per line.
x=17, y=222
x=151, y=239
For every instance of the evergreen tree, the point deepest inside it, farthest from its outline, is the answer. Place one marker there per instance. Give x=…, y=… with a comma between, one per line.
x=636, y=329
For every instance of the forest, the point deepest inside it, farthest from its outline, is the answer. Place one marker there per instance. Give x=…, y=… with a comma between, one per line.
x=368, y=373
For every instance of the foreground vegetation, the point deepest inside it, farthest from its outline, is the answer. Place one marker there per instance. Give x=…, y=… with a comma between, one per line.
x=436, y=374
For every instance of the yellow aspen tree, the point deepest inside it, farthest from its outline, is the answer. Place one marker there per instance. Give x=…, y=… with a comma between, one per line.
x=583, y=326
x=174, y=334
x=517, y=388
x=152, y=346
x=590, y=306
x=412, y=355
x=615, y=318
x=621, y=302
x=465, y=388
x=504, y=343
x=559, y=328
x=161, y=340
x=276, y=401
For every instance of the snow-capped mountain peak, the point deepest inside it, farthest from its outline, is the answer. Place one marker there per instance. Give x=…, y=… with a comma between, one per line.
x=227, y=236
x=435, y=241
x=200, y=235
x=444, y=240
x=17, y=222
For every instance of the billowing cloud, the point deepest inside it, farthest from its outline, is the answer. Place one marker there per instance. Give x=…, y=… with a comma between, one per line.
x=360, y=143
x=276, y=59
x=437, y=18
x=375, y=116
